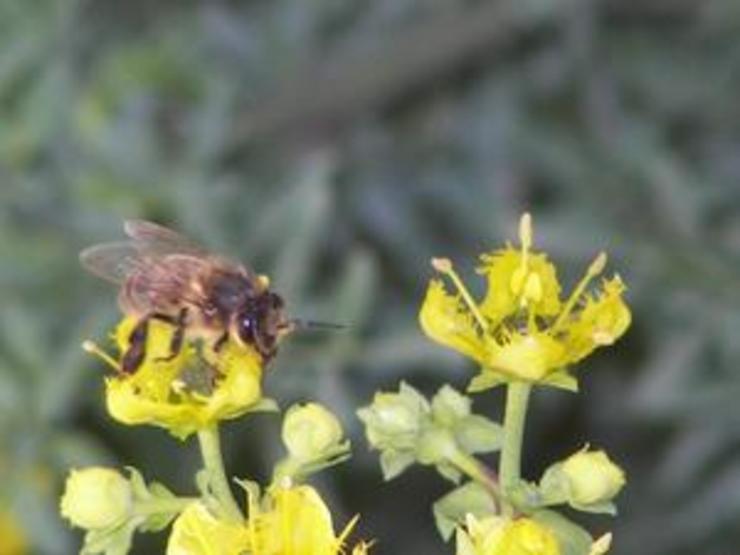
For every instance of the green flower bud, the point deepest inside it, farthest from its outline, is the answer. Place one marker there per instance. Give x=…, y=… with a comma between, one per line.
x=592, y=477
x=449, y=406
x=96, y=497
x=309, y=431
x=394, y=420
x=435, y=446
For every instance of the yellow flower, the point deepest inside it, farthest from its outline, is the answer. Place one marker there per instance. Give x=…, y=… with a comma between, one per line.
x=13, y=538
x=190, y=392
x=96, y=497
x=522, y=330
x=499, y=536
x=291, y=521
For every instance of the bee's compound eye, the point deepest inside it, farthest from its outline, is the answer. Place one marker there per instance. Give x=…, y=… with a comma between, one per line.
x=246, y=328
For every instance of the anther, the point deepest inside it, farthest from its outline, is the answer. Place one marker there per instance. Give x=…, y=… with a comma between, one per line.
x=598, y=265
x=443, y=265
x=92, y=348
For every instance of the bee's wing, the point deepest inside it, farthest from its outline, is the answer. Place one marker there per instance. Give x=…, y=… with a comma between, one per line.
x=157, y=240
x=164, y=284
x=114, y=262
x=149, y=282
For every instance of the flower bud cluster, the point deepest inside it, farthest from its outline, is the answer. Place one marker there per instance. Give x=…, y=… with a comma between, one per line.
x=406, y=428
x=110, y=507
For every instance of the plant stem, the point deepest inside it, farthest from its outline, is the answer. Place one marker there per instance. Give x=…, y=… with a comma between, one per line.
x=517, y=396
x=210, y=448
x=477, y=471
x=157, y=506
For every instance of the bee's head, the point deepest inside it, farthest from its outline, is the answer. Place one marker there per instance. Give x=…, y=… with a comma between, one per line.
x=260, y=323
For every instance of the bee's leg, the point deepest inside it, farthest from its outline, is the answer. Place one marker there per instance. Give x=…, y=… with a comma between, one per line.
x=220, y=342
x=134, y=355
x=178, y=337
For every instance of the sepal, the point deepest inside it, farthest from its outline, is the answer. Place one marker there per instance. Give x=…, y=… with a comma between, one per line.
x=451, y=509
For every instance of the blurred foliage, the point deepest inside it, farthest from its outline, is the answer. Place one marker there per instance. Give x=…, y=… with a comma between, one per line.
x=337, y=145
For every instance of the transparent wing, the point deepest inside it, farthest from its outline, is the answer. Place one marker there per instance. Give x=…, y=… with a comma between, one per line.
x=157, y=268
x=164, y=283
x=114, y=262
x=156, y=240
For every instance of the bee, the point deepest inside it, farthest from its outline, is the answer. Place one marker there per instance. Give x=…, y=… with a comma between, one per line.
x=165, y=276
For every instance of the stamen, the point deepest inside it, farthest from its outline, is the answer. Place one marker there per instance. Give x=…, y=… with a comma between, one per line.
x=92, y=348
x=347, y=530
x=444, y=266
x=525, y=231
x=594, y=269
x=520, y=274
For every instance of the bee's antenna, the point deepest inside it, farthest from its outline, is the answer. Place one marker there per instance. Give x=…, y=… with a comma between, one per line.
x=300, y=324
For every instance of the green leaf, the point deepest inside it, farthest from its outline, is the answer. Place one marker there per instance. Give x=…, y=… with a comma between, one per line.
x=449, y=472
x=393, y=463
x=606, y=508
x=157, y=522
x=483, y=381
x=138, y=485
x=450, y=510
x=572, y=538
x=160, y=491
x=114, y=540
x=478, y=434
x=554, y=485
x=561, y=380
x=265, y=405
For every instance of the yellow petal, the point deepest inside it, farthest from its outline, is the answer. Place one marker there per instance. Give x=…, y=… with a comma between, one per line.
x=529, y=357
x=299, y=523
x=601, y=322
x=446, y=320
x=198, y=532
x=509, y=280
x=499, y=536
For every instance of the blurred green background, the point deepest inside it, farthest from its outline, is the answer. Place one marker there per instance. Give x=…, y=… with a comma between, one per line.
x=337, y=145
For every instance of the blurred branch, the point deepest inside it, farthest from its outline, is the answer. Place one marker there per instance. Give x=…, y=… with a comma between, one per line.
x=334, y=91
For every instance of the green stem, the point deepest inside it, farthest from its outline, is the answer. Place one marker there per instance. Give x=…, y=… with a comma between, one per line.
x=158, y=506
x=517, y=396
x=210, y=448
x=476, y=470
